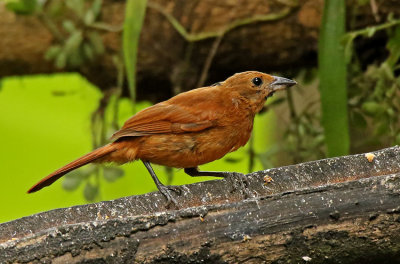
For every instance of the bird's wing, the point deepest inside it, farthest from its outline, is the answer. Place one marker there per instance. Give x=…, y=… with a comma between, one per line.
x=188, y=112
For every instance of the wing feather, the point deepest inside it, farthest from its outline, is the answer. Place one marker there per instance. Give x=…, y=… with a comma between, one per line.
x=187, y=112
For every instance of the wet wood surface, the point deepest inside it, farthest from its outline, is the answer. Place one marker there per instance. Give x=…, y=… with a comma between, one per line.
x=339, y=210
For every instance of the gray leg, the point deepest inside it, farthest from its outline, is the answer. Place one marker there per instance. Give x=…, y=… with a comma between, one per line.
x=165, y=190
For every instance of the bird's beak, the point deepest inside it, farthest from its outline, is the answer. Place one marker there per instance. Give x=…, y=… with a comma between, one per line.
x=281, y=83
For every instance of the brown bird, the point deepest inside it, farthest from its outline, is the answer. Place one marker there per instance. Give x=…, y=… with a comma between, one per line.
x=190, y=129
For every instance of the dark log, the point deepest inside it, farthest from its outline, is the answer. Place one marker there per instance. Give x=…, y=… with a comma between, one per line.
x=287, y=40
x=338, y=210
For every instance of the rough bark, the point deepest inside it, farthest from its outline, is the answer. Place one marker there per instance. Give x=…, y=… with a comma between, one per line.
x=287, y=42
x=339, y=210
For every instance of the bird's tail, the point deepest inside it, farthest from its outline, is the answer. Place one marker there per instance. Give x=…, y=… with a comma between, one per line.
x=90, y=157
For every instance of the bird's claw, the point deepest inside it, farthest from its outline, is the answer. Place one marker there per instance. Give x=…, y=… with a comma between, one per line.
x=166, y=191
x=176, y=189
x=240, y=181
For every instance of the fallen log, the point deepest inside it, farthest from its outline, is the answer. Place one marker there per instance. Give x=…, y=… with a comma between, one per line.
x=269, y=36
x=338, y=210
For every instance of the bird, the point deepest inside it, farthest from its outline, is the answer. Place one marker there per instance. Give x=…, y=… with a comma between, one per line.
x=190, y=129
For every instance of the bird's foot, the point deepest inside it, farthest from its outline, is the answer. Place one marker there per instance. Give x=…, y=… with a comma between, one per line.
x=241, y=182
x=166, y=191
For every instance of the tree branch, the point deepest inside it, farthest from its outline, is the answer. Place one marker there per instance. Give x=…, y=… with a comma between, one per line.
x=339, y=210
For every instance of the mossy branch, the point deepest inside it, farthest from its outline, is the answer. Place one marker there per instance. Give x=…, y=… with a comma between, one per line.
x=193, y=37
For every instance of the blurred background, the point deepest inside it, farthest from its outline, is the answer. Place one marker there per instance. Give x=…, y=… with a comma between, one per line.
x=71, y=73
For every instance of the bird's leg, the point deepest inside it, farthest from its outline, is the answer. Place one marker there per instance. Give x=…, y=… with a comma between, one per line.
x=165, y=190
x=234, y=176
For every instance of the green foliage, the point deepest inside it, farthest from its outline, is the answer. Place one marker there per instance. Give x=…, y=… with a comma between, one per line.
x=134, y=15
x=112, y=174
x=78, y=40
x=72, y=180
x=303, y=136
x=372, y=108
x=374, y=98
x=90, y=191
x=348, y=39
x=393, y=47
x=333, y=82
x=23, y=7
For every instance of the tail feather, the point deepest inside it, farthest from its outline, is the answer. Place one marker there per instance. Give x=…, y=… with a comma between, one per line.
x=90, y=157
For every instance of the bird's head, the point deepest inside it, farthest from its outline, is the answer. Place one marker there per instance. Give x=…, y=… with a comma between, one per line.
x=257, y=86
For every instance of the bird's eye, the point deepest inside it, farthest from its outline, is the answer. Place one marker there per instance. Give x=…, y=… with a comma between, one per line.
x=257, y=81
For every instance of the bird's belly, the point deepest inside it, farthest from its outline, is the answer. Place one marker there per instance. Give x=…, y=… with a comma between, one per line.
x=189, y=149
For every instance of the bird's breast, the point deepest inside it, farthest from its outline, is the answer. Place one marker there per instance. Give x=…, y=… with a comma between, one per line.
x=187, y=150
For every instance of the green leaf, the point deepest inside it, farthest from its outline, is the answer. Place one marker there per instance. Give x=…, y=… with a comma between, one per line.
x=332, y=73
x=78, y=6
x=52, y=52
x=96, y=8
x=393, y=46
x=373, y=108
x=301, y=129
x=134, y=15
x=23, y=7
x=73, y=42
x=70, y=184
x=391, y=91
x=89, y=17
x=72, y=180
x=69, y=26
x=90, y=192
x=61, y=60
x=96, y=42
x=88, y=51
x=391, y=112
x=319, y=139
x=348, y=48
x=75, y=58
x=370, y=31
x=55, y=8
x=111, y=174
